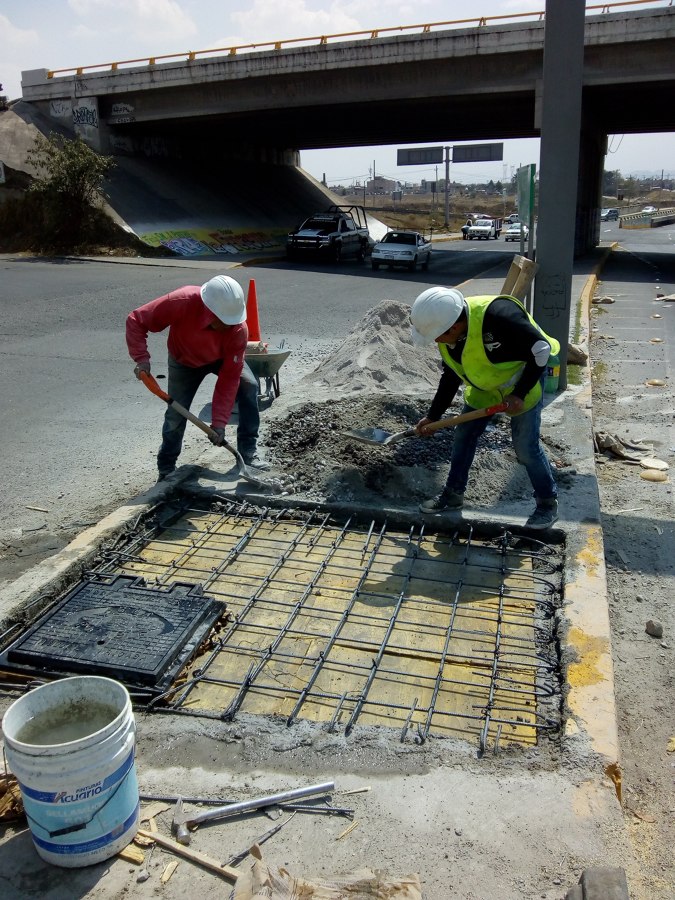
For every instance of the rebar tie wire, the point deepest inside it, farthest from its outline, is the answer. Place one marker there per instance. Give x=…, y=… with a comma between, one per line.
x=340, y=625
x=234, y=706
x=497, y=676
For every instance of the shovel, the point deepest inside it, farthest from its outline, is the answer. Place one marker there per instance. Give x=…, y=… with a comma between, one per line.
x=243, y=470
x=380, y=438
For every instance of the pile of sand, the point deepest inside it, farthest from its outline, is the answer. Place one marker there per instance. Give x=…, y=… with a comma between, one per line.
x=378, y=356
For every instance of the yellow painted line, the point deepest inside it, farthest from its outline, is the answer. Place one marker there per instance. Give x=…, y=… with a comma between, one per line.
x=591, y=700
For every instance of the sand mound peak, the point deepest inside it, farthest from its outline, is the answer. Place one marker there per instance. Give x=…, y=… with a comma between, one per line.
x=378, y=355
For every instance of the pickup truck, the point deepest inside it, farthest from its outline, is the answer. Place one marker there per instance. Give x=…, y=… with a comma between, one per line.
x=484, y=229
x=338, y=232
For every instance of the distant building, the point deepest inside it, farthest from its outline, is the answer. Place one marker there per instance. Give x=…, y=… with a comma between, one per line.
x=381, y=185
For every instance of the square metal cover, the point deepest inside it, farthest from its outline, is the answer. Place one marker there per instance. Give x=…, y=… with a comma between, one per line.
x=119, y=627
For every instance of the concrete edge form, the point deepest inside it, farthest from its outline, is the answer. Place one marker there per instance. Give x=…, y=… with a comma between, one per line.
x=587, y=655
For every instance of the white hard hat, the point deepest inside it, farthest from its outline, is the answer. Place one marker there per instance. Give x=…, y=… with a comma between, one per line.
x=225, y=298
x=434, y=311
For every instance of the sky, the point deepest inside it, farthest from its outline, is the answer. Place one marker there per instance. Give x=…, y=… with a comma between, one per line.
x=56, y=34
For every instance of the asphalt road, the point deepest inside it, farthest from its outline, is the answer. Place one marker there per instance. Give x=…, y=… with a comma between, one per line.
x=79, y=432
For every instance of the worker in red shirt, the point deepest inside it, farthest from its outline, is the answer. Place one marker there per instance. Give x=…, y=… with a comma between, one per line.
x=207, y=334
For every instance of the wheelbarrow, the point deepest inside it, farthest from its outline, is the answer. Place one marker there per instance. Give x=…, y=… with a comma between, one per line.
x=265, y=365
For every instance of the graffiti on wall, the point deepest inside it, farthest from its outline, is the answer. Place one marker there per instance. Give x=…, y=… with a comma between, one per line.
x=202, y=241
x=60, y=109
x=85, y=119
x=121, y=109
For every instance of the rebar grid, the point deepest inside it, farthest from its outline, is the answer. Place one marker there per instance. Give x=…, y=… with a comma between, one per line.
x=433, y=633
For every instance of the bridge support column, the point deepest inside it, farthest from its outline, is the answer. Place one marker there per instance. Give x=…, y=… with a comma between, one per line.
x=589, y=189
x=559, y=165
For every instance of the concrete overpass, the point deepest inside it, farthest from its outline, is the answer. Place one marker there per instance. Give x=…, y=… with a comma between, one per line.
x=449, y=85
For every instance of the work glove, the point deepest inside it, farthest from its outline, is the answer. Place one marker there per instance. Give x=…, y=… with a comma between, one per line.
x=217, y=437
x=514, y=405
x=421, y=425
x=141, y=367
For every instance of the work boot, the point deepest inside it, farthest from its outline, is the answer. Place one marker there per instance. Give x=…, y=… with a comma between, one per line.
x=444, y=500
x=545, y=514
x=255, y=462
x=164, y=475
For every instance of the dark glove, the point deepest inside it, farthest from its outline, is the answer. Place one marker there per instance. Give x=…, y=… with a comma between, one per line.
x=141, y=367
x=218, y=436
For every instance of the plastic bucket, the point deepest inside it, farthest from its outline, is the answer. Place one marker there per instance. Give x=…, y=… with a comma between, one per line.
x=552, y=374
x=70, y=744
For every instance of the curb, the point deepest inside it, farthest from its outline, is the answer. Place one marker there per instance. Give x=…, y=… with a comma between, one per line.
x=589, y=670
x=39, y=585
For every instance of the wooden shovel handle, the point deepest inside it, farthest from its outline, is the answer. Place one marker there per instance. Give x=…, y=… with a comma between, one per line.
x=465, y=417
x=152, y=385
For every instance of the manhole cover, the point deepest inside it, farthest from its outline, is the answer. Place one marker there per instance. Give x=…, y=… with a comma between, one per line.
x=120, y=627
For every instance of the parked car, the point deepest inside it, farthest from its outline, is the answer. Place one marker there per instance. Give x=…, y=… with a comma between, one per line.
x=514, y=217
x=402, y=248
x=649, y=209
x=514, y=230
x=607, y=215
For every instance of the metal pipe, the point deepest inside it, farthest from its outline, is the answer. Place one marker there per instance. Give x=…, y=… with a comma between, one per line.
x=182, y=822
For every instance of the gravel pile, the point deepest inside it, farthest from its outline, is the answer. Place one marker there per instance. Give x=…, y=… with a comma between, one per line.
x=377, y=378
x=313, y=445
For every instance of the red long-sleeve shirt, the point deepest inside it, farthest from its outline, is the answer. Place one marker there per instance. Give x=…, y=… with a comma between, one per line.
x=191, y=342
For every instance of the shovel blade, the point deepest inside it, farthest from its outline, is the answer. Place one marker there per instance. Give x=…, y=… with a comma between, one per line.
x=375, y=436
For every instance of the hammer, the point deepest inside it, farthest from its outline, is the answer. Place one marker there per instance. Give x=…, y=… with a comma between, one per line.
x=182, y=822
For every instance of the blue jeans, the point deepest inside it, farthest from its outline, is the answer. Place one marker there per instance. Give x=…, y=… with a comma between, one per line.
x=529, y=452
x=183, y=384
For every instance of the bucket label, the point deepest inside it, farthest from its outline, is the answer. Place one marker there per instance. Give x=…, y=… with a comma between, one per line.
x=90, y=845
x=80, y=793
x=72, y=820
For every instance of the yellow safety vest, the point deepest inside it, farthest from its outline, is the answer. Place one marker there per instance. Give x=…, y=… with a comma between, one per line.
x=488, y=383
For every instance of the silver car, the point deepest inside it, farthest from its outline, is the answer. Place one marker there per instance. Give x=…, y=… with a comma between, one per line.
x=514, y=231
x=402, y=248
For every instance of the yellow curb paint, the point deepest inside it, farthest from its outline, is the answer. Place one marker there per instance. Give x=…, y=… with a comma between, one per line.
x=590, y=668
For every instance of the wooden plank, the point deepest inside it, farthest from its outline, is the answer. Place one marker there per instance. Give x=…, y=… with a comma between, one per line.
x=194, y=856
x=132, y=854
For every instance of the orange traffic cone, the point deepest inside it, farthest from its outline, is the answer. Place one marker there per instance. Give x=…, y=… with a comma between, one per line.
x=252, y=313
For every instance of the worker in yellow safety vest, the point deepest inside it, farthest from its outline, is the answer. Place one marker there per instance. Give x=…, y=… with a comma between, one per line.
x=496, y=349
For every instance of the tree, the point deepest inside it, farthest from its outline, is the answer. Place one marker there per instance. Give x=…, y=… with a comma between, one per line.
x=68, y=183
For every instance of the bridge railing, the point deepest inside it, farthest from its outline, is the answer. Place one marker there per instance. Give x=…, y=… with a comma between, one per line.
x=366, y=34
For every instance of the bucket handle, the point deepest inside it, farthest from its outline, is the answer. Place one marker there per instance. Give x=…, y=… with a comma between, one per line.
x=82, y=825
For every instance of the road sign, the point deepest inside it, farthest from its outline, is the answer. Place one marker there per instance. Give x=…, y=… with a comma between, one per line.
x=478, y=153
x=525, y=187
x=419, y=156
